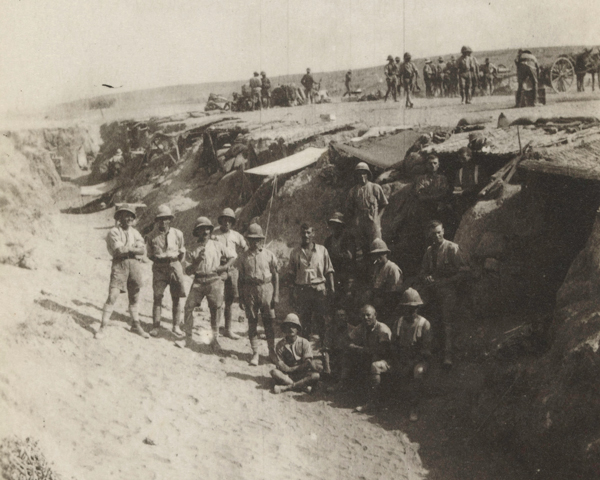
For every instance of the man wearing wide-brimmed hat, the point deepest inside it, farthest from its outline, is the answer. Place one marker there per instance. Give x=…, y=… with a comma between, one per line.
x=295, y=367
x=259, y=289
x=467, y=74
x=166, y=249
x=341, y=248
x=386, y=282
x=126, y=246
x=410, y=350
x=364, y=207
x=235, y=242
x=208, y=263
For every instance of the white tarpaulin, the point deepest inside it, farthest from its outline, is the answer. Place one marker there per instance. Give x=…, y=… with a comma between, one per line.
x=99, y=189
x=289, y=164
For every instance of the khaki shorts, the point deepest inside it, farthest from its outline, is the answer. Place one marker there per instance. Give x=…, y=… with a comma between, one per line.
x=213, y=291
x=126, y=275
x=168, y=274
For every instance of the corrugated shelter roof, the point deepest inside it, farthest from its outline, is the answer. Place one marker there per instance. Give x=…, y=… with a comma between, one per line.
x=383, y=152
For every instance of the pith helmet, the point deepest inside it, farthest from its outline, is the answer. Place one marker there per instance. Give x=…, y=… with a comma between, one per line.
x=337, y=217
x=292, y=319
x=427, y=60
x=228, y=213
x=440, y=59
x=411, y=297
x=254, y=231
x=362, y=166
x=390, y=58
x=263, y=73
x=379, y=246
x=164, y=212
x=397, y=59
x=256, y=74
x=407, y=56
x=466, y=49
x=202, y=222
x=125, y=207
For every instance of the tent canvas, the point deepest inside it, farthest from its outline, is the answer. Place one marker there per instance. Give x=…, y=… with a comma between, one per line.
x=383, y=152
x=289, y=164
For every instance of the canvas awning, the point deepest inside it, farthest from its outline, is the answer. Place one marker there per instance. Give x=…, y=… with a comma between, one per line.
x=289, y=164
x=383, y=152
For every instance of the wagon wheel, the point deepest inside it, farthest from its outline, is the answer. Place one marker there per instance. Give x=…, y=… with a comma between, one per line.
x=562, y=75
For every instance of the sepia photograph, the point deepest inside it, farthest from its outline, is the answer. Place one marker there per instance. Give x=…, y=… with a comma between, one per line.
x=300, y=239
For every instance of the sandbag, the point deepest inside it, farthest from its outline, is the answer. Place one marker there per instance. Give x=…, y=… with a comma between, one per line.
x=473, y=120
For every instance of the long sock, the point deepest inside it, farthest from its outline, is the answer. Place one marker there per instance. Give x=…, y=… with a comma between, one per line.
x=106, y=313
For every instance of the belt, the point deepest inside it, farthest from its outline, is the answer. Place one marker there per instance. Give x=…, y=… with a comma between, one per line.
x=206, y=277
x=309, y=285
x=256, y=281
x=166, y=260
x=126, y=256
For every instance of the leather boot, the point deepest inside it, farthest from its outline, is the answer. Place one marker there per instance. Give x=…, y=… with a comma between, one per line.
x=255, y=355
x=177, y=317
x=136, y=328
x=156, y=316
x=228, y=332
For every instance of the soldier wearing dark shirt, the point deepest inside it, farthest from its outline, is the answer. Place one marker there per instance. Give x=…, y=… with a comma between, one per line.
x=308, y=82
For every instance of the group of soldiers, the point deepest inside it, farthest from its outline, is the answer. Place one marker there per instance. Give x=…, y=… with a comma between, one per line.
x=260, y=91
x=346, y=291
x=446, y=79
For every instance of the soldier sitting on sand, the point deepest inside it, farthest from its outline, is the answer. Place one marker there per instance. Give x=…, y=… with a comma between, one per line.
x=296, y=369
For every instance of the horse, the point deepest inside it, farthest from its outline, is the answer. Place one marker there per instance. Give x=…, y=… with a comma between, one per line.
x=587, y=62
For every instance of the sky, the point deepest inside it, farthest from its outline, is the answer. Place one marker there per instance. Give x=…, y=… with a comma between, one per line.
x=53, y=51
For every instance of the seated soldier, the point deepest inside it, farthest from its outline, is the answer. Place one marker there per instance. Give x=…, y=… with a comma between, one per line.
x=369, y=343
x=411, y=349
x=337, y=341
x=296, y=369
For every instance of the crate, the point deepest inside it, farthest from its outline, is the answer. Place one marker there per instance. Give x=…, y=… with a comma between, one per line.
x=528, y=97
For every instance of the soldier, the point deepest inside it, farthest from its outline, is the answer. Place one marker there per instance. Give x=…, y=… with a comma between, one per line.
x=391, y=75
x=165, y=247
x=440, y=77
x=490, y=72
x=365, y=205
x=308, y=82
x=410, y=78
x=410, y=349
x=347, y=82
x=312, y=273
x=259, y=287
x=341, y=248
x=398, y=77
x=235, y=243
x=442, y=270
x=255, y=91
x=265, y=90
x=296, y=369
x=527, y=68
x=126, y=246
x=386, y=282
x=431, y=190
x=466, y=75
x=452, y=76
x=209, y=263
x=369, y=344
x=428, y=78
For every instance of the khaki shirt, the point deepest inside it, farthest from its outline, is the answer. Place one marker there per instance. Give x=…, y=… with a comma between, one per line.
x=119, y=240
x=257, y=267
x=365, y=201
x=310, y=267
x=293, y=354
x=168, y=244
x=411, y=340
x=391, y=70
x=233, y=240
x=408, y=71
x=375, y=341
x=387, y=277
x=444, y=261
x=204, y=260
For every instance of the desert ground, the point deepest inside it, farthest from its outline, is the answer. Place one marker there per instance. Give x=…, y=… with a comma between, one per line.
x=129, y=408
